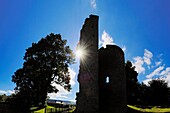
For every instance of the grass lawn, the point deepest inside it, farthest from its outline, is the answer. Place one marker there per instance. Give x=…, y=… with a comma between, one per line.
x=153, y=109
x=71, y=110
x=53, y=109
x=43, y=110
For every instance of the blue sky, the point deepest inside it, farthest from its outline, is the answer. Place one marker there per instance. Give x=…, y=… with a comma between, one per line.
x=140, y=27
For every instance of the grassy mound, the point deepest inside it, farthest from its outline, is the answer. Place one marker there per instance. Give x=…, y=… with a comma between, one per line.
x=155, y=109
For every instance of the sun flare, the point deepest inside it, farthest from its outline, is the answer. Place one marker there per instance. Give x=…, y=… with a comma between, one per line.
x=79, y=53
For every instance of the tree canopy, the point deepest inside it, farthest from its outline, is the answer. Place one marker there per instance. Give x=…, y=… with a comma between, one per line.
x=156, y=93
x=159, y=92
x=132, y=84
x=45, y=63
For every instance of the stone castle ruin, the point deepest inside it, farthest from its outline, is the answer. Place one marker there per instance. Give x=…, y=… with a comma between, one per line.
x=102, y=80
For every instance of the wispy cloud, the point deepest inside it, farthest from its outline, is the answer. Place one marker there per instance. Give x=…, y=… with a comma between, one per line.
x=72, y=76
x=155, y=72
x=158, y=63
x=140, y=61
x=158, y=68
x=166, y=72
x=155, y=66
x=147, y=81
x=147, y=56
x=106, y=39
x=124, y=48
x=93, y=4
x=8, y=92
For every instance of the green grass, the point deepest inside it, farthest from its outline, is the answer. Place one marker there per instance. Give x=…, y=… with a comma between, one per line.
x=49, y=108
x=72, y=110
x=153, y=109
x=43, y=110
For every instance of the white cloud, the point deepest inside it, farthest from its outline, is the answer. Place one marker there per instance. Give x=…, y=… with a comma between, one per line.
x=168, y=79
x=160, y=55
x=162, y=72
x=155, y=72
x=138, y=63
x=72, y=76
x=146, y=61
x=8, y=92
x=100, y=42
x=158, y=63
x=93, y=4
x=124, y=48
x=147, y=56
x=2, y=92
x=62, y=93
x=106, y=39
x=166, y=72
x=147, y=81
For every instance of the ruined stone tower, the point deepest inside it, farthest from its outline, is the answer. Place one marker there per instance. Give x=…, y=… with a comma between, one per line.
x=87, y=98
x=102, y=80
x=112, y=80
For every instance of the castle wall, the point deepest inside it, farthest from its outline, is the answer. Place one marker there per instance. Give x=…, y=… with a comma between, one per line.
x=87, y=98
x=102, y=80
x=112, y=80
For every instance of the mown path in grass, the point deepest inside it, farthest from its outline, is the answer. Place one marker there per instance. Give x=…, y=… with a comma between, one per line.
x=152, y=110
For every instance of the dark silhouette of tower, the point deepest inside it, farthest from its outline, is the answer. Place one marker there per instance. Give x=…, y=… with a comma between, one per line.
x=102, y=80
x=87, y=98
x=112, y=80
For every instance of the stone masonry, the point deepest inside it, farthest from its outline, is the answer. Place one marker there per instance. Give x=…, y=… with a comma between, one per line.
x=112, y=80
x=88, y=97
x=102, y=80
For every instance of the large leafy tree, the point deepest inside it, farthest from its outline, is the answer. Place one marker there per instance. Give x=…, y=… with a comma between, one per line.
x=132, y=83
x=45, y=63
x=158, y=92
